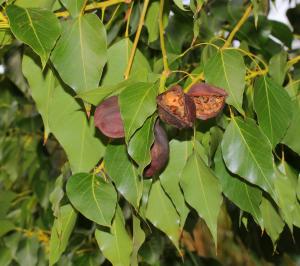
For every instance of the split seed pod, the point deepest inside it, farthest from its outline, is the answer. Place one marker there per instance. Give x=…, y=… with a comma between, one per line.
x=176, y=108
x=108, y=118
x=159, y=151
x=209, y=100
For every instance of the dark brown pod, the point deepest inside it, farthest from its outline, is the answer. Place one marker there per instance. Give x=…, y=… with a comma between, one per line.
x=108, y=118
x=176, y=108
x=159, y=151
x=209, y=100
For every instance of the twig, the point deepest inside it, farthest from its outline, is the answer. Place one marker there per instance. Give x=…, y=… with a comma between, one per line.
x=128, y=16
x=195, y=80
x=238, y=26
x=136, y=39
x=166, y=71
x=161, y=36
x=293, y=61
x=102, y=5
x=94, y=6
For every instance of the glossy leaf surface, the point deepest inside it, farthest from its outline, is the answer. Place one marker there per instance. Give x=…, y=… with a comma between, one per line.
x=81, y=53
x=93, y=197
x=36, y=27
x=202, y=191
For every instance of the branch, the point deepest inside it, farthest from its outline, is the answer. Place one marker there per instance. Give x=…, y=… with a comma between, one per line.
x=136, y=39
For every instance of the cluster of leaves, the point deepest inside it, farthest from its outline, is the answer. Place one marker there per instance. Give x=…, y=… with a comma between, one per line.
x=63, y=58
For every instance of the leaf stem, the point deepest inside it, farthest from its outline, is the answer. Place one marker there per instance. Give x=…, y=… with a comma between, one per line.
x=238, y=26
x=136, y=39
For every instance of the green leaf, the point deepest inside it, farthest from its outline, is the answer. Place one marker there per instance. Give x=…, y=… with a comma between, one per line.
x=272, y=222
x=35, y=3
x=57, y=195
x=42, y=85
x=147, y=183
x=248, y=153
x=138, y=236
x=140, y=144
x=5, y=227
x=259, y=7
x=296, y=217
x=179, y=3
x=288, y=193
x=74, y=6
x=169, y=178
x=36, y=27
x=245, y=196
x=277, y=67
x=93, y=197
x=286, y=198
x=6, y=256
x=137, y=102
x=96, y=96
x=291, y=137
x=166, y=219
x=73, y=130
x=117, y=245
x=123, y=173
x=117, y=60
x=6, y=197
x=27, y=253
x=151, y=18
x=298, y=188
x=202, y=191
x=227, y=70
x=61, y=230
x=273, y=108
x=80, y=66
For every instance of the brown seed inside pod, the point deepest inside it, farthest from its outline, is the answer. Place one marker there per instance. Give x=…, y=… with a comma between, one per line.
x=176, y=108
x=209, y=100
x=108, y=118
x=159, y=151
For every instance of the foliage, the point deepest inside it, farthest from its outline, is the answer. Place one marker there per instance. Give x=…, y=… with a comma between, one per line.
x=230, y=192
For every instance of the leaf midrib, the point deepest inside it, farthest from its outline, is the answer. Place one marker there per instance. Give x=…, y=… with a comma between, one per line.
x=253, y=157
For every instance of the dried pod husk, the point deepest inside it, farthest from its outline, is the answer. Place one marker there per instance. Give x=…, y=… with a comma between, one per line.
x=159, y=151
x=209, y=100
x=176, y=108
x=108, y=118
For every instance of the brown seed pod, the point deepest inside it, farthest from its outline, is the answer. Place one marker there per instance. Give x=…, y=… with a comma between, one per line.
x=108, y=118
x=176, y=108
x=159, y=151
x=209, y=100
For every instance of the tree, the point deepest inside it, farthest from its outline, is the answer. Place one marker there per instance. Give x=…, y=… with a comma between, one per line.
x=148, y=132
